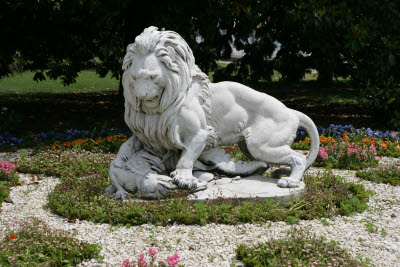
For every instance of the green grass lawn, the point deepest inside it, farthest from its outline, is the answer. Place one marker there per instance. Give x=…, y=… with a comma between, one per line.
x=87, y=82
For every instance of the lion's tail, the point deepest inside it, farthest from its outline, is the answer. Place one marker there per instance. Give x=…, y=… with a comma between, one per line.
x=312, y=131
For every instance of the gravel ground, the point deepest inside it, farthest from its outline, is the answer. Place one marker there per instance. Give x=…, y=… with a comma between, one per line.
x=214, y=245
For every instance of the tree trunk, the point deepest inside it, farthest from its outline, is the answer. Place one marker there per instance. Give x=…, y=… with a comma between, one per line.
x=324, y=76
x=121, y=91
x=136, y=19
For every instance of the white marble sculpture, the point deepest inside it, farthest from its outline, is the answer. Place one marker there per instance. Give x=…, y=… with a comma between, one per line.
x=179, y=119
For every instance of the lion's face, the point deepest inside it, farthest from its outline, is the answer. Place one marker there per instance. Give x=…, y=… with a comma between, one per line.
x=158, y=72
x=148, y=79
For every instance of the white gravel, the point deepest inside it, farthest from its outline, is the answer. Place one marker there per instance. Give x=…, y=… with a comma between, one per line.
x=214, y=245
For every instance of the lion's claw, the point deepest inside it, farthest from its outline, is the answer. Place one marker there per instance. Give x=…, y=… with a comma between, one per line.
x=121, y=195
x=185, y=182
x=184, y=179
x=286, y=182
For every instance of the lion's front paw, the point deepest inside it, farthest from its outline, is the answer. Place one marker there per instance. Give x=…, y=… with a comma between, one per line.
x=120, y=195
x=287, y=182
x=110, y=191
x=184, y=179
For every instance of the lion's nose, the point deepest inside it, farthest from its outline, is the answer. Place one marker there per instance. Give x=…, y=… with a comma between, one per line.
x=144, y=90
x=141, y=93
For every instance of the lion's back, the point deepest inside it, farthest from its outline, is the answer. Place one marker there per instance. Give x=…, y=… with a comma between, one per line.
x=235, y=93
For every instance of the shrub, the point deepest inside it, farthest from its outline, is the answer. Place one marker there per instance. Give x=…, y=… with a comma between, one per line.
x=4, y=191
x=8, y=178
x=30, y=242
x=299, y=249
x=7, y=172
x=9, y=119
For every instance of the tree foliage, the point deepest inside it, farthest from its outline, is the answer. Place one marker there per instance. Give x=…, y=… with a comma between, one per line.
x=355, y=39
x=342, y=38
x=60, y=38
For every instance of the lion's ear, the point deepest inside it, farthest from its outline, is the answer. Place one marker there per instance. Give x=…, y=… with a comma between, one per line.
x=171, y=53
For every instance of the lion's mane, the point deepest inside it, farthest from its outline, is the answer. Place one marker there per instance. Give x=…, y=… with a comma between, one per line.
x=157, y=128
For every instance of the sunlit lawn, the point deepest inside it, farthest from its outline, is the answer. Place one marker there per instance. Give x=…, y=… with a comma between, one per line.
x=87, y=82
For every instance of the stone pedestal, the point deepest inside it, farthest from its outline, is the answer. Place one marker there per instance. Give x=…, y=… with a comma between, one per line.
x=249, y=188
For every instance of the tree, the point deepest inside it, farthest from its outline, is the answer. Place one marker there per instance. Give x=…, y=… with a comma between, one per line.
x=60, y=38
x=340, y=38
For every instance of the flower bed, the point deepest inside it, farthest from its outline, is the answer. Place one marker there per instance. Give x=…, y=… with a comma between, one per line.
x=346, y=155
x=8, y=141
x=385, y=141
x=383, y=174
x=84, y=175
x=109, y=143
x=31, y=242
x=340, y=131
x=300, y=249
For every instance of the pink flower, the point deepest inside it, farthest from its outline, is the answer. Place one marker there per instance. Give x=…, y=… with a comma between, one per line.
x=125, y=263
x=152, y=252
x=173, y=260
x=323, y=153
x=372, y=149
x=142, y=261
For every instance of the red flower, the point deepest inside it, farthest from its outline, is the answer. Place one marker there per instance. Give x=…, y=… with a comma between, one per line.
x=12, y=236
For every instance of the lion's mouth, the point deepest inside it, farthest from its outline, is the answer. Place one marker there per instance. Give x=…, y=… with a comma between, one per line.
x=152, y=102
x=154, y=99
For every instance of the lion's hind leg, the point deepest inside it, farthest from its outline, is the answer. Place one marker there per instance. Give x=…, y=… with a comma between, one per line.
x=281, y=155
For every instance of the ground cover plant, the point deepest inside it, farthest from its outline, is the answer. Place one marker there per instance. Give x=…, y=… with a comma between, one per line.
x=84, y=175
x=8, y=178
x=31, y=242
x=383, y=174
x=68, y=163
x=299, y=249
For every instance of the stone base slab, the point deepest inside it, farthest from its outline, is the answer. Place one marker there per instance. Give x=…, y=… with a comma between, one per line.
x=248, y=188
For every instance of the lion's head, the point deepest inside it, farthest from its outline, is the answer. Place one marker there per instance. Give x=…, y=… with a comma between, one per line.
x=158, y=70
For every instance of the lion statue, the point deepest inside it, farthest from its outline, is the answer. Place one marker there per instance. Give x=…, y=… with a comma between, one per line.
x=178, y=116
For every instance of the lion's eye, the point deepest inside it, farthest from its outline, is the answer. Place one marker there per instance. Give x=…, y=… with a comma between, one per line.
x=153, y=76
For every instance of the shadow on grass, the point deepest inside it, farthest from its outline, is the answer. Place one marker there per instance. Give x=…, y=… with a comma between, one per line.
x=335, y=103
